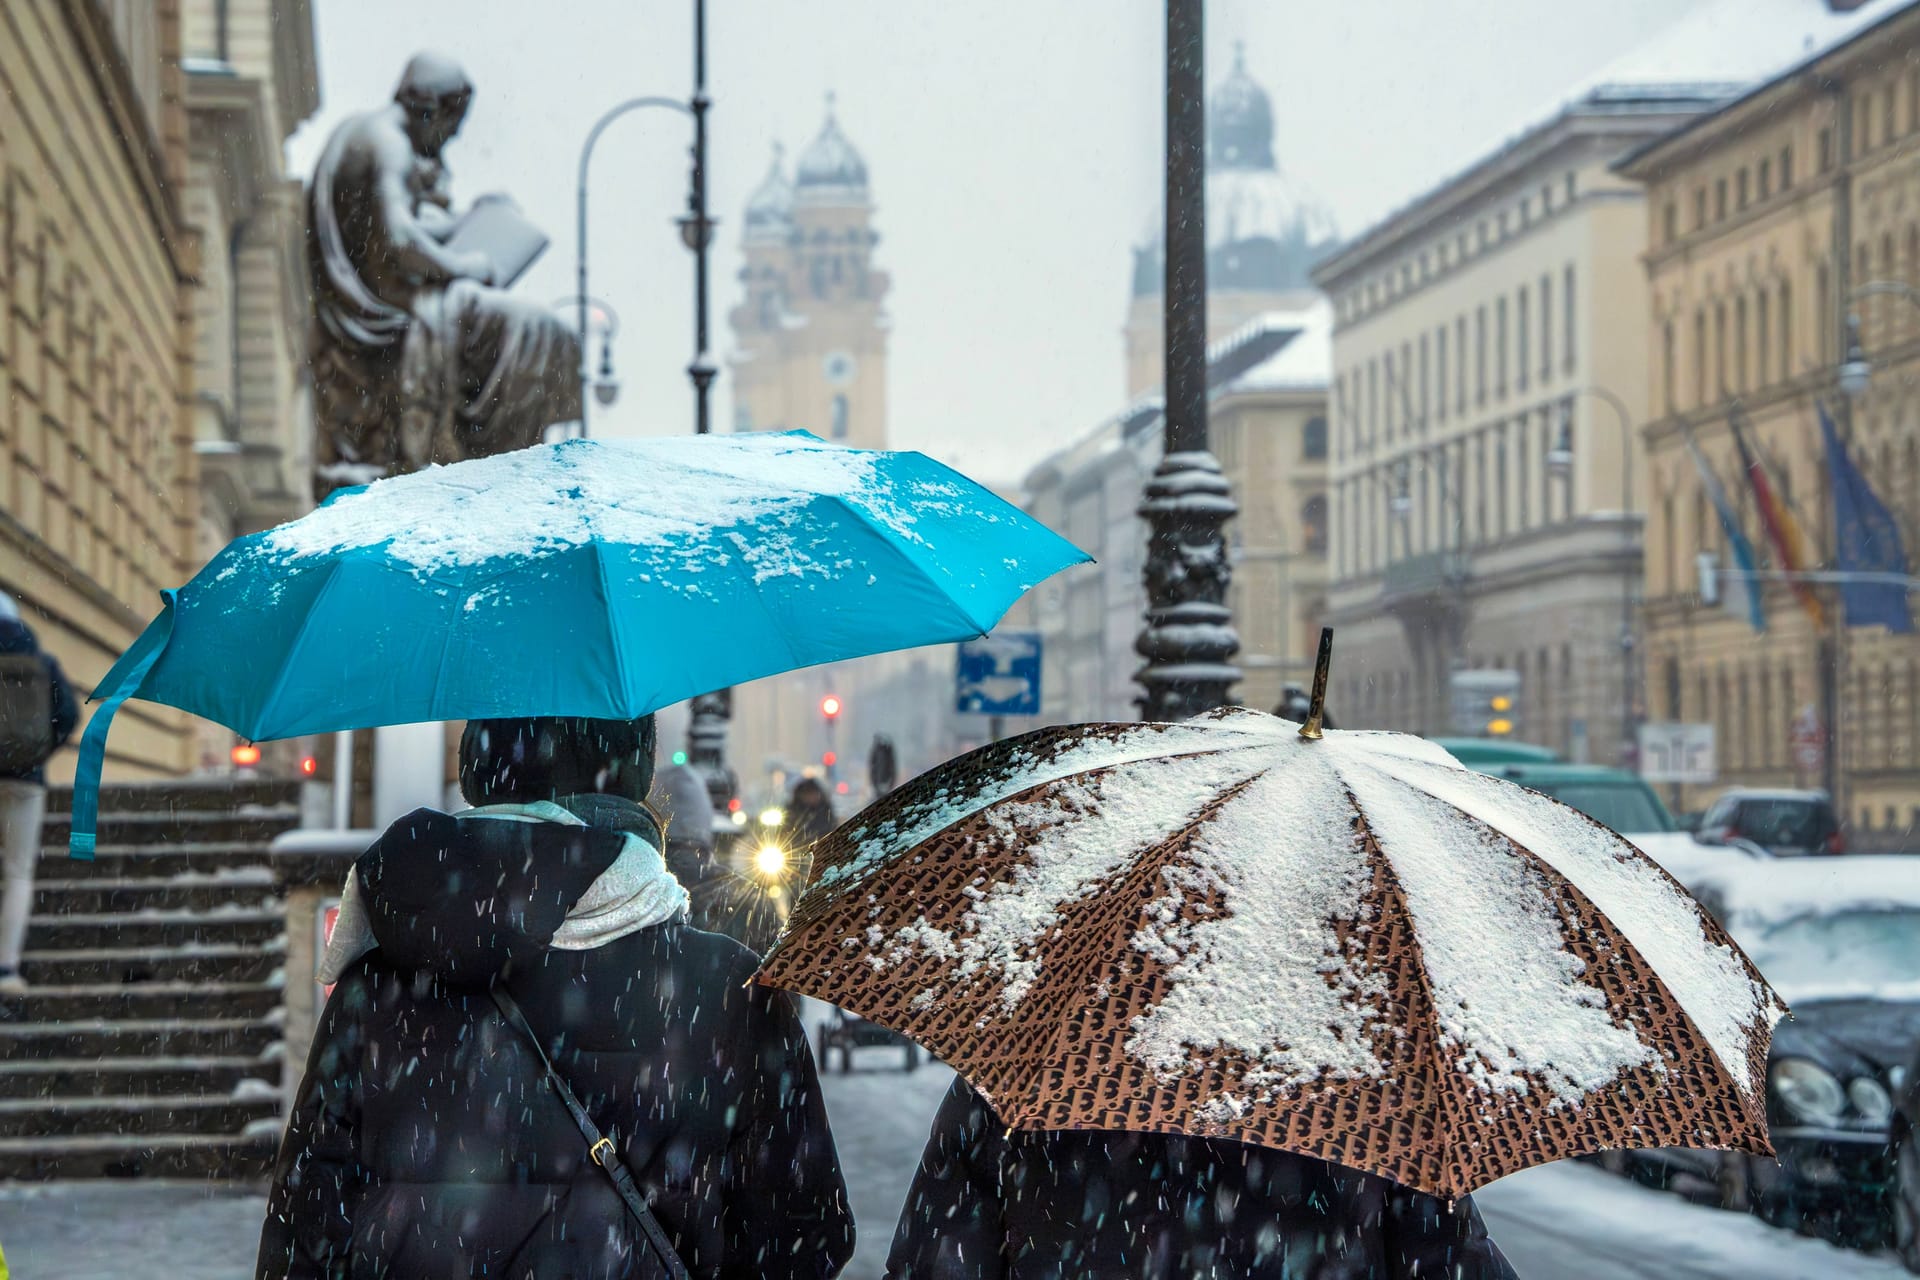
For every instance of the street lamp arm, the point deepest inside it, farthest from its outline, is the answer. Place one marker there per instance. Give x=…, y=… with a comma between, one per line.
x=1898, y=288
x=586, y=158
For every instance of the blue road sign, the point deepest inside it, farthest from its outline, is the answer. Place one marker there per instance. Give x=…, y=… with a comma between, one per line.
x=999, y=675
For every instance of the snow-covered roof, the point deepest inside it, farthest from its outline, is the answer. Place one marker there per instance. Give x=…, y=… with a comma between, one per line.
x=1760, y=894
x=1305, y=363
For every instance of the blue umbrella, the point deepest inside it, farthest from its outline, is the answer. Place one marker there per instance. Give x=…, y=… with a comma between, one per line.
x=604, y=578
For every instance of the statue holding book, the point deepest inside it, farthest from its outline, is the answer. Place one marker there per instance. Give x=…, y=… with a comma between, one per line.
x=419, y=353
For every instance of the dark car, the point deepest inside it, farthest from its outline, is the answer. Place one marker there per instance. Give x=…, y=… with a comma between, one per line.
x=1615, y=797
x=1787, y=824
x=1839, y=939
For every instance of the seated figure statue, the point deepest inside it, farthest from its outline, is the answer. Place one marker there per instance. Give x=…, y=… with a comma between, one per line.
x=417, y=357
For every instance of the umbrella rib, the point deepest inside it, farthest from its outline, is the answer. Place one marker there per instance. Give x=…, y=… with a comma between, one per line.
x=615, y=632
x=903, y=548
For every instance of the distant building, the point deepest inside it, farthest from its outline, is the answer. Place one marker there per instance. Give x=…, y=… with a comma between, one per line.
x=1478, y=329
x=1264, y=231
x=251, y=78
x=98, y=505
x=1762, y=220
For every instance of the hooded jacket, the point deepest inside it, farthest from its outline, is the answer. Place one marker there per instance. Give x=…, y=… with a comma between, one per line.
x=425, y=1142
x=17, y=637
x=992, y=1205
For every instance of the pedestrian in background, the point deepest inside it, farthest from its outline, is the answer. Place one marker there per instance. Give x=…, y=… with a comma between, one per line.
x=37, y=716
x=530, y=1057
x=809, y=815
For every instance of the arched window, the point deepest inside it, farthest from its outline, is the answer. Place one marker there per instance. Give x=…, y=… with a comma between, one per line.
x=1313, y=524
x=839, y=427
x=1314, y=439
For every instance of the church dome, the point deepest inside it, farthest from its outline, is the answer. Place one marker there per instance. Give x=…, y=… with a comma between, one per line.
x=830, y=162
x=1264, y=230
x=770, y=208
x=1239, y=121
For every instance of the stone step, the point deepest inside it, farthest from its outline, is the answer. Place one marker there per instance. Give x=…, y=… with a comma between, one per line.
x=150, y=1116
x=135, y=1038
x=211, y=827
x=239, y=926
x=212, y=962
x=122, y=861
x=182, y=796
x=186, y=1001
x=224, y=1158
x=243, y=887
x=138, y=1077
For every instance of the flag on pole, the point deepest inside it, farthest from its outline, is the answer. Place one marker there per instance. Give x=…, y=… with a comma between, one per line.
x=1783, y=531
x=1742, y=591
x=1865, y=540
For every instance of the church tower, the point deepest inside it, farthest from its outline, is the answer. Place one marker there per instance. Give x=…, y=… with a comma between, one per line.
x=1264, y=232
x=810, y=331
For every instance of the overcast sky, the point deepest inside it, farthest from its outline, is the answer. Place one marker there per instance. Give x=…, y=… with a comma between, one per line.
x=1013, y=148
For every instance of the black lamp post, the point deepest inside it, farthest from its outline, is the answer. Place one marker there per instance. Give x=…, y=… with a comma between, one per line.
x=1189, y=641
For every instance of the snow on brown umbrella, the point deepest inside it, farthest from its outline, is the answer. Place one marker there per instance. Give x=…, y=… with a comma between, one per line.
x=1343, y=945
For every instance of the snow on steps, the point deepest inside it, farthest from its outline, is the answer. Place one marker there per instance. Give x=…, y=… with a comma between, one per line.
x=149, y=1042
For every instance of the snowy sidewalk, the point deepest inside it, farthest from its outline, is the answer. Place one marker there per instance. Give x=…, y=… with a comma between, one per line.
x=121, y=1229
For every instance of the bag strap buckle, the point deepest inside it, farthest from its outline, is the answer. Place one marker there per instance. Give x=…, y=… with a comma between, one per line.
x=595, y=1153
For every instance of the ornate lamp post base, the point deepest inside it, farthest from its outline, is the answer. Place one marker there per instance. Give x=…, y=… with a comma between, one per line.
x=1189, y=639
x=707, y=746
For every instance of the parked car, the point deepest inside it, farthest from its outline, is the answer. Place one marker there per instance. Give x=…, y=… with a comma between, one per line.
x=1839, y=939
x=1787, y=824
x=1615, y=797
x=1689, y=861
x=1474, y=752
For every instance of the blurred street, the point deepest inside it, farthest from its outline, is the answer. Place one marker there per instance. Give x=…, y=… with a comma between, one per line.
x=1563, y=1222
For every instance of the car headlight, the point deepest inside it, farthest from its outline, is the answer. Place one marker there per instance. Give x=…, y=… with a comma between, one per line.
x=1808, y=1090
x=772, y=817
x=1869, y=1098
x=770, y=860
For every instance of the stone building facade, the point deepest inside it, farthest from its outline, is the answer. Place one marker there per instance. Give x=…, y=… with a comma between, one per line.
x=98, y=476
x=1484, y=331
x=1764, y=219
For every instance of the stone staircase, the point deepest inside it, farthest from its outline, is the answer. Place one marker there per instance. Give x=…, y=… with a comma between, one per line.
x=149, y=1043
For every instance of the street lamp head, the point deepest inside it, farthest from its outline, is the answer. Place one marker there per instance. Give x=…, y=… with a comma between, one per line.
x=696, y=233
x=1560, y=457
x=1401, y=505
x=1855, y=371
x=1400, y=501
x=606, y=387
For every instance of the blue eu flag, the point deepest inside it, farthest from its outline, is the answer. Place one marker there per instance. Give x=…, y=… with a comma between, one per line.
x=1866, y=540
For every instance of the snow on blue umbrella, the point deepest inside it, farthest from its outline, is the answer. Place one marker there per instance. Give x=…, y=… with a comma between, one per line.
x=604, y=578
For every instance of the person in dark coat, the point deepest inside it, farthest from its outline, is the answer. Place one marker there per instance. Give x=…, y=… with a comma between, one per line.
x=425, y=1141
x=809, y=815
x=992, y=1205
x=23, y=781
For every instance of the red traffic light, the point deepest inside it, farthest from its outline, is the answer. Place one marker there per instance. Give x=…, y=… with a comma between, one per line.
x=830, y=759
x=308, y=764
x=842, y=788
x=829, y=706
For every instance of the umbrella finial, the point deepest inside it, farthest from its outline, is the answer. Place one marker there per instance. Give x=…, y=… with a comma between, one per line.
x=1318, y=707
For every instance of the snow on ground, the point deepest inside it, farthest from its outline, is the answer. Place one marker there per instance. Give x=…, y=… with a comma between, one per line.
x=116, y=1229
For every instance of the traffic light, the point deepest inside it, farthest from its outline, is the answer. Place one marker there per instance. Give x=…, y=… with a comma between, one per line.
x=679, y=757
x=1486, y=703
x=830, y=707
x=830, y=758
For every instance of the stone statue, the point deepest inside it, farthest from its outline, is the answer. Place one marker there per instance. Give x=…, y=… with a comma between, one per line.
x=417, y=357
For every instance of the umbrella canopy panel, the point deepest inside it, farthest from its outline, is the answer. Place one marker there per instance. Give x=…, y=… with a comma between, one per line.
x=1351, y=948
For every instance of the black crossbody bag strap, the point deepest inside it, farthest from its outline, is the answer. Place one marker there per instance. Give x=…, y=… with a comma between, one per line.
x=599, y=1146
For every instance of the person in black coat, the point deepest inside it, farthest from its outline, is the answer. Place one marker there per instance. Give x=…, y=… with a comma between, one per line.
x=992, y=1205
x=23, y=783
x=809, y=815
x=425, y=1141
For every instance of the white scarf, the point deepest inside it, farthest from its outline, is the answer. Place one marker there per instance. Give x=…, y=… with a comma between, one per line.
x=637, y=891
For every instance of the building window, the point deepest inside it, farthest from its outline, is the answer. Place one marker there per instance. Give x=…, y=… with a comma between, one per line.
x=1566, y=305
x=1670, y=222
x=1699, y=356
x=1525, y=487
x=1888, y=116
x=1761, y=345
x=1373, y=402
x=1500, y=347
x=1826, y=150
x=1823, y=314
x=1786, y=168
x=1570, y=187
x=1480, y=355
x=1720, y=349
x=1666, y=367
x=1460, y=364
x=1545, y=474
x=1313, y=525
x=1699, y=208
x=1740, y=189
x=1426, y=386
x=1313, y=440
x=1480, y=485
x=1719, y=199
x=1786, y=330
x=1546, y=329
x=1388, y=383
x=1521, y=327
x=839, y=426
x=1740, y=344
x=1764, y=179
x=1500, y=479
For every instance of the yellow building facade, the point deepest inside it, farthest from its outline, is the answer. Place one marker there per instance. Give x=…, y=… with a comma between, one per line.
x=98, y=497
x=1487, y=371
x=1764, y=219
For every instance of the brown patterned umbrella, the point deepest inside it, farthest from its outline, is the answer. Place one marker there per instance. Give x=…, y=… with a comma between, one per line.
x=1346, y=946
